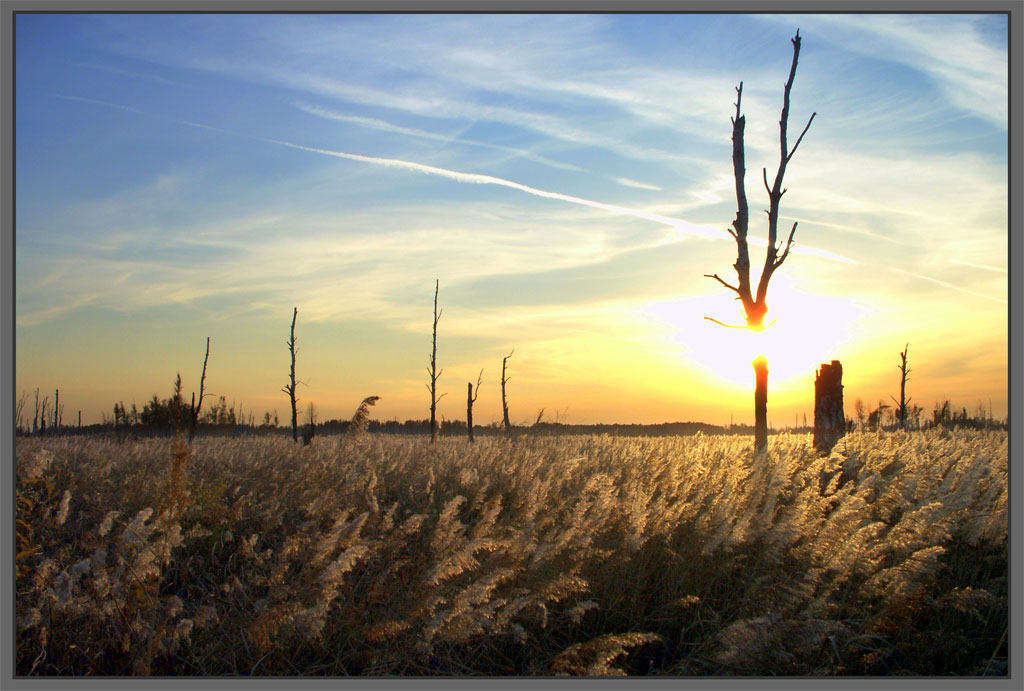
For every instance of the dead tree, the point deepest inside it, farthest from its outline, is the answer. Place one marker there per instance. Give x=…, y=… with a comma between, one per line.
x=504, y=400
x=470, y=400
x=829, y=418
x=434, y=372
x=43, y=414
x=196, y=406
x=310, y=431
x=290, y=388
x=901, y=412
x=754, y=304
x=760, y=402
x=19, y=412
x=35, y=417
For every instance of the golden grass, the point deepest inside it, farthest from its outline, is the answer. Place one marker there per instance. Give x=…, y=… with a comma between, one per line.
x=513, y=556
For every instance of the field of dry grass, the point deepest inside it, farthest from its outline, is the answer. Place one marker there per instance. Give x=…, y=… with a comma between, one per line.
x=382, y=555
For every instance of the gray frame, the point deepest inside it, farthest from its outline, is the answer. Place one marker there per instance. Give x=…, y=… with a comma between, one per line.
x=1015, y=9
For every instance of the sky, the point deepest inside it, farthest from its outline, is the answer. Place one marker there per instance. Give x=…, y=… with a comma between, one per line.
x=567, y=181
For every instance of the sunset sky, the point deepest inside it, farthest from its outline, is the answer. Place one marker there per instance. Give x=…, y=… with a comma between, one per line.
x=566, y=178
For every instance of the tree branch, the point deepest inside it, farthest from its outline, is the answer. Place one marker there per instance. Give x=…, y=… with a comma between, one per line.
x=785, y=252
x=801, y=137
x=727, y=285
x=728, y=326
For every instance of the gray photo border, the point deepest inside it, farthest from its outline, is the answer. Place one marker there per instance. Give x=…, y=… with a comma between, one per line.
x=8, y=10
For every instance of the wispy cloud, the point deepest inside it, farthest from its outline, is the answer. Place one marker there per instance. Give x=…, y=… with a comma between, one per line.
x=824, y=198
x=967, y=65
x=639, y=185
x=384, y=126
x=946, y=284
x=984, y=267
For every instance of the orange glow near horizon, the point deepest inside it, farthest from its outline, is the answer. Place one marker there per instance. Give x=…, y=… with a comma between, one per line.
x=804, y=331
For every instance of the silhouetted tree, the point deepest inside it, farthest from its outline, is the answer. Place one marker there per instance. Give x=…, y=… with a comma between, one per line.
x=754, y=304
x=470, y=400
x=829, y=420
x=310, y=431
x=433, y=371
x=196, y=407
x=290, y=388
x=504, y=400
x=901, y=411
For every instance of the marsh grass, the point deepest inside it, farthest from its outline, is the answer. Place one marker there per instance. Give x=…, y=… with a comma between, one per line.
x=513, y=556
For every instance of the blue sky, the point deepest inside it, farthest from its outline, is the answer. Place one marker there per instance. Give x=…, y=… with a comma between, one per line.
x=566, y=178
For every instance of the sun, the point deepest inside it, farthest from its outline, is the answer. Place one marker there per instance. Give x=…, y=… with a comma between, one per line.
x=804, y=330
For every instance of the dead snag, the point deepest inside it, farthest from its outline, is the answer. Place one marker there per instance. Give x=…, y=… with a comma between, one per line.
x=504, y=400
x=434, y=372
x=470, y=400
x=829, y=418
x=754, y=304
x=901, y=412
x=196, y=406
x=290, y=388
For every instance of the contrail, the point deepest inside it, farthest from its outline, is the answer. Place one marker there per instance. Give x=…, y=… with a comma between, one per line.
x=481, y=179
x=948, y=285
x=385, y=126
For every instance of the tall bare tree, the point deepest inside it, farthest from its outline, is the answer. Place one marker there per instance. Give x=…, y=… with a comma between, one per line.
x=19, y=412
x=504, y=400
x=470, y=400
x=434, y=372
x=754, y=304
x=196, y=406
x=901, y=412
x=35, y=418
x=290, y=388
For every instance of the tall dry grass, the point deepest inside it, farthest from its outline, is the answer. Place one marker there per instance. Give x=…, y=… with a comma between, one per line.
x=382, y=555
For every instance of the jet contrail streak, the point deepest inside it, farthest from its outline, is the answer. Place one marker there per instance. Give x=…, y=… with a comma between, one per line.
x=948, y=285
x=481, y=179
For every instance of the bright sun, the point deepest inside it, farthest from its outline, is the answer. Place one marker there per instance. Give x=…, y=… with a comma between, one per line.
x=806, y=330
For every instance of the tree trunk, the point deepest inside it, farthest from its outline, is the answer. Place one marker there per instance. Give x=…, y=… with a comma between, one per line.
x=504, y=401
x=469, y=409
x=434, y=374
x=760, y=404
x=290, y=388
x=829, y=418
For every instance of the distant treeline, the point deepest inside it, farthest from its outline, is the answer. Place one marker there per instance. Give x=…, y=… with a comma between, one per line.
x=162, y=417
x=149, y=426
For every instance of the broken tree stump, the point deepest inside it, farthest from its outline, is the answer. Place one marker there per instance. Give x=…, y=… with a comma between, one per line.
x=829, y=418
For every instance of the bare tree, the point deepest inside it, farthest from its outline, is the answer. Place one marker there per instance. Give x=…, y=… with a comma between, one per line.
x=504, y=400
x=197, y=406
x=310, y=431
x=754, y=305
x=434, y=372
x=290, y=388
x=43, y=412
x=470, y=400
x=35, y=417
x=901, y=411
x=19, y=412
